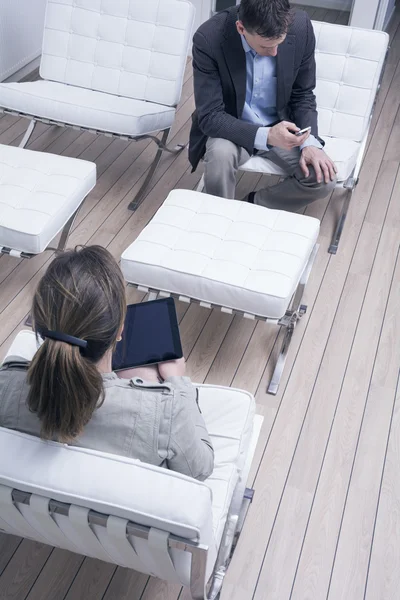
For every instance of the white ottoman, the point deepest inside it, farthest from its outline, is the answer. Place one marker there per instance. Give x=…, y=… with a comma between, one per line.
x=39, y=196
x=228, y=254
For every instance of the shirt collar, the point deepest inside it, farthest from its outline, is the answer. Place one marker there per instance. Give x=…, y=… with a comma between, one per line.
x=246, y=46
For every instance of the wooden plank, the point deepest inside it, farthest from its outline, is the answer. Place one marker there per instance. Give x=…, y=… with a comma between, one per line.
x=384, y=570
x=207, y=345
x=23, y=569
x=8, y=546
x=331, y=16
x=16, y=130
x=343, y=17
x=160, y=590
x=6, y=122
x=91, y=581
x=290, y=524
x=228, y=357
x=319, y=14
x=126, y=585
x=308, y=9
x=390, y=75
x=56, y=576
x=392, y=152
x=349, y=575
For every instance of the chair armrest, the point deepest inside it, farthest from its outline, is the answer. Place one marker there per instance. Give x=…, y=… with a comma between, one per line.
x=23, y=346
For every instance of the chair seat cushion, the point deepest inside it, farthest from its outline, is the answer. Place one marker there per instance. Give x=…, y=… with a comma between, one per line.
x=224, y=252
x=86, y=108
x=38, y=194
x=344, y=154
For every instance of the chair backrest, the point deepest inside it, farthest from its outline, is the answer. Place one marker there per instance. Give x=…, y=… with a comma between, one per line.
x=349, y=66
x=47, y=491
x=131, y=48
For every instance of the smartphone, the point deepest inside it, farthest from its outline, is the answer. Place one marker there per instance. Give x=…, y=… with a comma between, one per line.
x=150, y=336
x=302, y=131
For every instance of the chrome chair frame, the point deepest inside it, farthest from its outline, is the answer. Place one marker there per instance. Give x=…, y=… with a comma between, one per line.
x=200, y=589
x=161, y=145
x=351, y=182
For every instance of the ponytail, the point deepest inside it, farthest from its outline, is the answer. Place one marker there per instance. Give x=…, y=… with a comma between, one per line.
x=81, y=298
x=65, y=389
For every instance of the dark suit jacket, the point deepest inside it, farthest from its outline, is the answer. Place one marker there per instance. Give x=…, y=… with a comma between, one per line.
x=219, y=68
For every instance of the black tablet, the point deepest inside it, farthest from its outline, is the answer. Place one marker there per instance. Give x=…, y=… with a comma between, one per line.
x=151, y=335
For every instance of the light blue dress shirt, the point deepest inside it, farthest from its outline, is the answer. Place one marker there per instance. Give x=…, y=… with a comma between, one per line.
x=261, y=94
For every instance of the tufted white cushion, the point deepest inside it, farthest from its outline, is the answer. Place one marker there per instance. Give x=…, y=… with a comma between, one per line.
x=344, y=153
x=38, y=194
x=182, y=506
x=123, y=47
x=223, y=252
x=86, y=108
x=349, y=64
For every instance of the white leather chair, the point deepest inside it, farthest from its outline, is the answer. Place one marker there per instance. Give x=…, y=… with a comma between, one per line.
x=113, y=67
x=40, y=195
x=350, y=63
x=227, y=254
x=129, y=513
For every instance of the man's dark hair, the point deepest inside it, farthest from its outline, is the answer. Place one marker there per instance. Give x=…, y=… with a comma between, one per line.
x=268, y=18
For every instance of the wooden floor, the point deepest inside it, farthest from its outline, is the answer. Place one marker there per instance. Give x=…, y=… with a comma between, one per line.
x=325, y=521
x=325, y=14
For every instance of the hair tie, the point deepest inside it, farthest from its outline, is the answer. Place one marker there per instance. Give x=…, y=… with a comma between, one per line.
x=63, y=337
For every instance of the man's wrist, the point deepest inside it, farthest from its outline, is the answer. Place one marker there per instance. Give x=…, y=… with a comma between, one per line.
x=261, y=139
x=311, y=141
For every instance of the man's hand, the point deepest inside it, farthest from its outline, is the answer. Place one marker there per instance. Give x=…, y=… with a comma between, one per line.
x=282, y=136
x=324, y=167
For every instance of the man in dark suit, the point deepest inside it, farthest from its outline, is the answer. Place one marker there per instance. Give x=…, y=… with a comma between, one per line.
x=254, y=79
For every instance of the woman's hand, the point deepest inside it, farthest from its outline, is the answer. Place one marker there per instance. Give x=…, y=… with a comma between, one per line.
x=172, y=368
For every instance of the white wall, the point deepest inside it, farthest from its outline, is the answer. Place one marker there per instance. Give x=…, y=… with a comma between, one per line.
x=21, y=32
x=203, y=11
x=371, y=14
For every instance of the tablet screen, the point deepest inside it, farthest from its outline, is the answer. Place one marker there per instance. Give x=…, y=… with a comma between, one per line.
x=151, y=335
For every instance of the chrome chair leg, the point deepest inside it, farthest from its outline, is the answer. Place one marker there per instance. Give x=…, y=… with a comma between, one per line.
x=162, y=147
x=289, y=321
x=349, y=186
x=200, y=185
x=280, y=365
x=27, y=134
x=64, y=235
